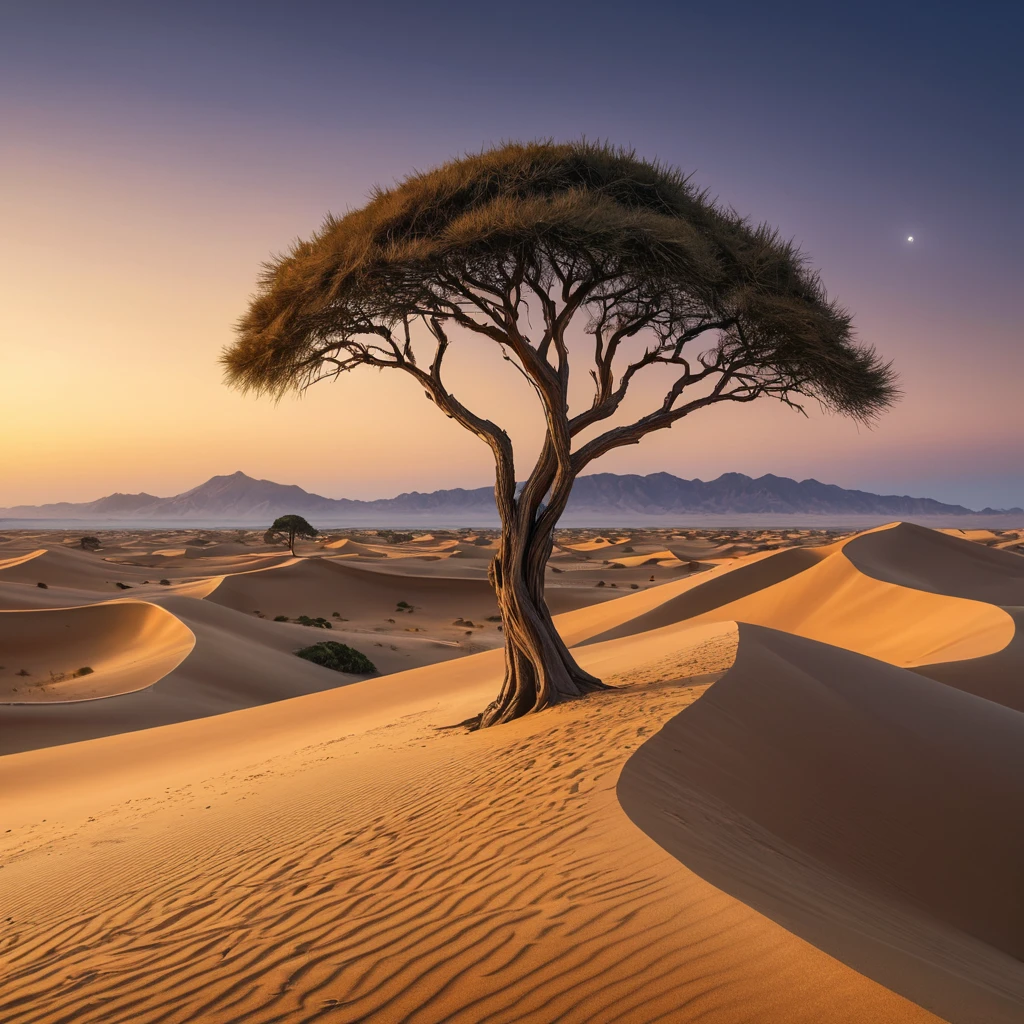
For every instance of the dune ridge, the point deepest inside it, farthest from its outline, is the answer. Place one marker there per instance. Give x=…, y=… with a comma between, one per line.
x=861, y=785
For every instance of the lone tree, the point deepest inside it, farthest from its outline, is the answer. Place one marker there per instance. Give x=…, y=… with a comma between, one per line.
x=513, y=246
x=290, y=527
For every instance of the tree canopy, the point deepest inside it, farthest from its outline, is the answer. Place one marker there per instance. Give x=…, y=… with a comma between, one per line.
x=653, y=250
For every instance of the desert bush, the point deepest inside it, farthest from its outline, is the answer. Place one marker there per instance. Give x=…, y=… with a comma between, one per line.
x=89, y=543
x=123, y=586
x=280, y=618
x=23, y=672
x=165, y=583
x=340, y=657
x=627, y=550
x=43, y=586
x=402, y=605
x=319, y=622
x=600, y=583
x=634, y=586
x=494, y=618
x=85, y=670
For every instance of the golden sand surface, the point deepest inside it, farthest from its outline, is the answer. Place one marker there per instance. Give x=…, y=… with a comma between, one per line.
x=802, y=801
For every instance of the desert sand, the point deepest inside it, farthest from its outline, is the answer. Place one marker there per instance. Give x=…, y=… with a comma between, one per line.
x=803, y=801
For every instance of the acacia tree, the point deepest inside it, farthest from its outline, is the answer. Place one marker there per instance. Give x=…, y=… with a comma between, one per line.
x=656, y=273
x=290, y=527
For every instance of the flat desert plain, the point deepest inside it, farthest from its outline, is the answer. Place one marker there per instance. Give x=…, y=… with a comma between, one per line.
x=803, y=801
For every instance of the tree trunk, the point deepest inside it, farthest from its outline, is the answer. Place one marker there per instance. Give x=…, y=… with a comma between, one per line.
x=539, y=670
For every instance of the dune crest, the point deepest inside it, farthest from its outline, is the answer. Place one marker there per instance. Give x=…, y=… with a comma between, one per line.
x=90, y=652
x=872, y=811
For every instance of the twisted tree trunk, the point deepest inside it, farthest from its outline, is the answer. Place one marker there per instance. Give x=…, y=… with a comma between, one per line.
x=539, y=670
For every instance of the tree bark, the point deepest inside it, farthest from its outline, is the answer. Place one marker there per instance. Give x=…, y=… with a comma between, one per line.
x=539, y=669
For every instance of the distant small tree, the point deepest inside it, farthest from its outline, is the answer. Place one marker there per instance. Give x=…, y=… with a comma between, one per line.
x=290, y=527
x=89, y=543
x=528, y=247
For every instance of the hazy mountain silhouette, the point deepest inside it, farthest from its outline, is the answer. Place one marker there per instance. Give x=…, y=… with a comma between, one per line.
x=241, y=499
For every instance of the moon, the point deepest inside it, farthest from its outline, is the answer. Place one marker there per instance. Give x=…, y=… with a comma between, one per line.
x=910, y=238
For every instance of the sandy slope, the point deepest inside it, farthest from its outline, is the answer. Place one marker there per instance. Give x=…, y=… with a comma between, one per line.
x=872, y=811
x=823, y=594
x=337, y=856
x=353, y=863
x=127, y=645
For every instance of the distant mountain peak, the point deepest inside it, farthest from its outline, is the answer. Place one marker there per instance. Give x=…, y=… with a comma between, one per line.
x=239, y=498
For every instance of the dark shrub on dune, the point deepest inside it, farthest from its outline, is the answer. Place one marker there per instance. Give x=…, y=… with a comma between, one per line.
x=89, y=543
x=319, y=622
x=340, y=657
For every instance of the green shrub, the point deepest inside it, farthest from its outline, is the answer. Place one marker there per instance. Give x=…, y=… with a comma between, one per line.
x=280, y=618
x=340, y=657
x=319, y=622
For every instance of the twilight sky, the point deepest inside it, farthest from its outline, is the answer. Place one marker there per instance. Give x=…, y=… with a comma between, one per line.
x=152, y=156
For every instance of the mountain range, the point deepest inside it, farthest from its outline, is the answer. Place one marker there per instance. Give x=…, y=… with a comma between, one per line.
x=240, y=499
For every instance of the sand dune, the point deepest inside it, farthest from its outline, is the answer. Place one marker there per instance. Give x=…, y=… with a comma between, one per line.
x=66, y=567
x=822, y=594
x=252, y=837
x=872, y=811
x=238, y=661
x=401, y=874
x=125, y=645
x=912, y=556
x=322, y=586
x=694, y=595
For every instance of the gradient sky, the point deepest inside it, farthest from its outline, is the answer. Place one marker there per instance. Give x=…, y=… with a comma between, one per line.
x=151, y=157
